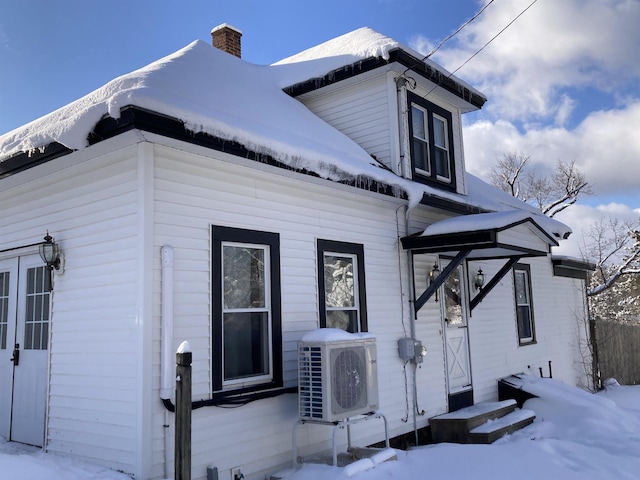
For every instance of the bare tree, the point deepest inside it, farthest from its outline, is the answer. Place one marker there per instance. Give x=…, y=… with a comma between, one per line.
x=614, y=246
x=508, y=174
x=611, y=244
x=550, y=193
x=566, y=184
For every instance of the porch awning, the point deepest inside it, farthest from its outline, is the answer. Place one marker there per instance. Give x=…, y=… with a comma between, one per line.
x=486, y=236
x=508, y=235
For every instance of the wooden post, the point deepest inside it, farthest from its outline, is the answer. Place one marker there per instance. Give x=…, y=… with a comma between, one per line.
x=183, y=413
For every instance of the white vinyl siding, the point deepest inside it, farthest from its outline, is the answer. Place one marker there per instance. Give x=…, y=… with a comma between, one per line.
x=361, y=112
x=194, y=192
x=495, y=351
x=113, y=211
x=89, y=207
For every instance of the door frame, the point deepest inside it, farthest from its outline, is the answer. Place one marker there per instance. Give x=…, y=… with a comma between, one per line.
x=15, y=291
x=462, y=396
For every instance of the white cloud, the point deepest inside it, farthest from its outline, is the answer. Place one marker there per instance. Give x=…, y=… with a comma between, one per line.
x=605, y=147
x=581, y=217
x=555, y=46
x=538, y=75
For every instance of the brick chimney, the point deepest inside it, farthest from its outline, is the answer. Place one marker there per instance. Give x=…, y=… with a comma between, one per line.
x=227, y=38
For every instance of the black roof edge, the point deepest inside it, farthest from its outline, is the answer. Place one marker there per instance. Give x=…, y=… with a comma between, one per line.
x=451, y=205
x=438, y=77
x=398, y=55
x=482, y=238
x=24, y=161
x=573, y=263
x=136, y=118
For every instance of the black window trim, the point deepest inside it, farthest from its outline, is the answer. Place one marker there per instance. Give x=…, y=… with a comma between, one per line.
x=220, y=234
x=432, y=109
x=526, y=268
x=347, y=248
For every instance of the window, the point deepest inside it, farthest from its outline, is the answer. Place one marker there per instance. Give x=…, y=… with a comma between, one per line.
x=36, y=322
x=431, y=143
x=4, y=308
x=247, y=328
x=341, y=286
x=524, y=307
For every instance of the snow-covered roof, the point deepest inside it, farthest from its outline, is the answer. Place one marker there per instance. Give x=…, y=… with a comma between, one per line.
x=488, y=197
x=334, y=335
x=477, y=222
x=221, y=95
x=348, y=49
x=511, y=233
x=218, y=94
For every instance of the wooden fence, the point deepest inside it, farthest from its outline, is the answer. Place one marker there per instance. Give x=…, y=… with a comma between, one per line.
x=618, y=351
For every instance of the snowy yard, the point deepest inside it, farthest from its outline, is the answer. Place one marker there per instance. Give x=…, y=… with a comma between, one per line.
x=576, y=435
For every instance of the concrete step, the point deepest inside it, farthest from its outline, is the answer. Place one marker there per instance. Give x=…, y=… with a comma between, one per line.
x=492, y=430
x=455, y=426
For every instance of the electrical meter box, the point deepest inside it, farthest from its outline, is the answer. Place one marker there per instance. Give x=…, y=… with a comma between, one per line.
x=410, y=349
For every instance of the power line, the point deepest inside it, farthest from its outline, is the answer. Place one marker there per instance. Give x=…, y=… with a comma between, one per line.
x=494, y=37
x=450, y=36
x=484, y=46
x=457, y=31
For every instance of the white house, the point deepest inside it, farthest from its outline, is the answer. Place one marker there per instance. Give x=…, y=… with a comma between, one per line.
x=240, y=207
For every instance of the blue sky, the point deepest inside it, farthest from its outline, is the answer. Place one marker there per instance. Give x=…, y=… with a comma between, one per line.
x=563, y=81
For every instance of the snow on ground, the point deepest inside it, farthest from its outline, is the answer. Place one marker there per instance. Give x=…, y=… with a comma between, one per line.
x=19, y=462
x=576, y=435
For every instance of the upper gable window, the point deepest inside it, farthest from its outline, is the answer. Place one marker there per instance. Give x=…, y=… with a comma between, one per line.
x=431, y=143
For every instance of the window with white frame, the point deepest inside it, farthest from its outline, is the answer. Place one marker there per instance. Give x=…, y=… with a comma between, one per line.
x=420, y=135
x=523, y=304
x=341, y=286
x=441, y=148
x=247, y=332
x=431, y=145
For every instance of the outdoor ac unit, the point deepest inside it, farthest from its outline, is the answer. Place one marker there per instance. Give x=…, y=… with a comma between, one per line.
x=337, y=379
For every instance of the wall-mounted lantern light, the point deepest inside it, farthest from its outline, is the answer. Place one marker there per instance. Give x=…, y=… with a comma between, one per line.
x=478, y=279
x=50, y=253
x=433, y=274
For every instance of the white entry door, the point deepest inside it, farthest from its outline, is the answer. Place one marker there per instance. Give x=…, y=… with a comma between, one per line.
x=454, y=313
x=24, y=343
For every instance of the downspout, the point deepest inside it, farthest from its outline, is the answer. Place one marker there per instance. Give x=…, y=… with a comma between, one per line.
x=166, y=355
x=412, y=322
x=401, y=83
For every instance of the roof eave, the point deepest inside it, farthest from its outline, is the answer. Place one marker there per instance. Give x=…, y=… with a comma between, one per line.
x=441, y=78
x=137, y=118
